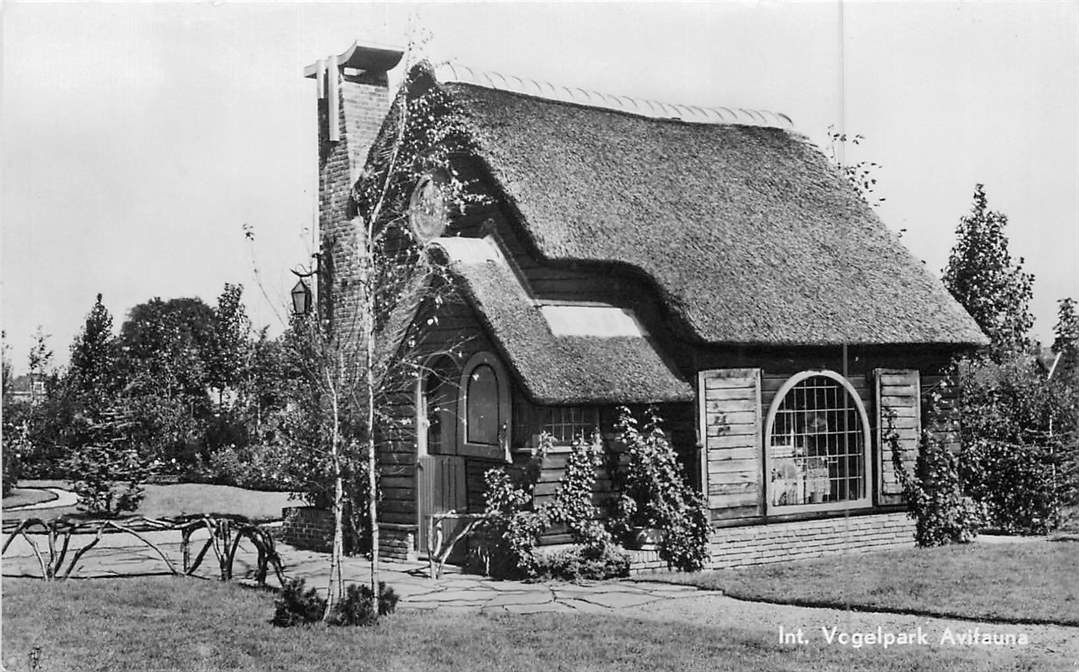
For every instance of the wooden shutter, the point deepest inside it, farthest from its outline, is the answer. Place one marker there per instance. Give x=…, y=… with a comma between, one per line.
x=897, y=390
x=729, y=412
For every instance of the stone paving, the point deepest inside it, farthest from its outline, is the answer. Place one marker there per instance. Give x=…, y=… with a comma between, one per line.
x=123, y=555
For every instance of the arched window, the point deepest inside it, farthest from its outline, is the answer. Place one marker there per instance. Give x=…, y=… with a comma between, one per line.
x=482, y=395
x=485, y=407
x=437, y=408
x=816, y=443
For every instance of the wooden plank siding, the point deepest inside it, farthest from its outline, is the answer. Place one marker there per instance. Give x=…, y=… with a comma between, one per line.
x=730, y=417
x=897, y=391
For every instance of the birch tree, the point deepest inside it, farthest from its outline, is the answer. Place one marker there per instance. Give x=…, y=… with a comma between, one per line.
x=351, y=365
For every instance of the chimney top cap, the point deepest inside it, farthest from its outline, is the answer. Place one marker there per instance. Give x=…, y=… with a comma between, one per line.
x=367, y=56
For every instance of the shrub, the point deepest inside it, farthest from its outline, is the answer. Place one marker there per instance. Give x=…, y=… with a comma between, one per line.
x=296, y=606
x=573, y=505
x=579, y=563
x=655, y=494
x=510, y=533
x=356, y=608
x=10, y=454
x=11, y=471
x=1017, y=483
x=1020, y=434
x=509, y=536
x=258, y=467
x=108, y=478
x=942, y=513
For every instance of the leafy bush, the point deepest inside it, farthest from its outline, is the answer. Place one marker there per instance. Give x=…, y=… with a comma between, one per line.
x=107, y=478
x=511, y=530
x=509, y=536
x=1019, y=484
x=356, y=608
x=942, y=513
x=14, y=445
x=257, y=467
x=655, y=494
x=579, y=563
x=11, y=470
x=296, y=606
x=1020, y=434
x=573, y=505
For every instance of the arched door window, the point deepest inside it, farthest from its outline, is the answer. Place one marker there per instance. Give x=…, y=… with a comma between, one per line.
x=437, y=408
x=485, y=407
x=816, y=445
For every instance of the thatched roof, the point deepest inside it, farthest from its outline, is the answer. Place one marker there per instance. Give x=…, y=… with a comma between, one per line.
x=556, y=369
x=748, y=233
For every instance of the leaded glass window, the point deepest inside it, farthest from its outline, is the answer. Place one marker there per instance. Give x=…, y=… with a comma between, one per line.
x=817, y=444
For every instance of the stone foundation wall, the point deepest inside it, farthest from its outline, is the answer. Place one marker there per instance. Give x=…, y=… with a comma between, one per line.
x=798, y=540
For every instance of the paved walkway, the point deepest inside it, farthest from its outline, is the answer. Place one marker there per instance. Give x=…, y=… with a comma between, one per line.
x=124, y=555
x=459, y=591
x=62, y=498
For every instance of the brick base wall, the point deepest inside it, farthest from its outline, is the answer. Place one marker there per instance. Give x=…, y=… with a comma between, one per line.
x=799, y=540
x=397, y=544
x=312, y=529
x=307, y=527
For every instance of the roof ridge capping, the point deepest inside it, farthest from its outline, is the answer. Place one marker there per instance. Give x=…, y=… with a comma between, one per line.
x=449, y=71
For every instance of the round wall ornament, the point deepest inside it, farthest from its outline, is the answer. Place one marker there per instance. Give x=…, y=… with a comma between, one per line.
x=427, y=209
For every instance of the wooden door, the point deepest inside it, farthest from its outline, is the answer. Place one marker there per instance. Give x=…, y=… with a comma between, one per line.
x=441, y=488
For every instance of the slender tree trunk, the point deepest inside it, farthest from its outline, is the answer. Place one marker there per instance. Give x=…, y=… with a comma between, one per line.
x=369, y=383
x=336, y=589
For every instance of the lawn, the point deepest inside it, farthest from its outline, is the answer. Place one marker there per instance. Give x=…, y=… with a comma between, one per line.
x=179, y=498
x=1030, y=582
x=25, y=496
x=171, y=623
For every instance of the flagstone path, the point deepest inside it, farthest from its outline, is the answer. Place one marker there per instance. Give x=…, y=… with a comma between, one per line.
x=123, y=555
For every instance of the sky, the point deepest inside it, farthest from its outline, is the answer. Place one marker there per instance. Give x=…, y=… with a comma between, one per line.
x=139, y=139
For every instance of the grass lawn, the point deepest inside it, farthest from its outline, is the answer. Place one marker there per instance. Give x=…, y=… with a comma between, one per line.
x=1032, y=582
x=25, y=496
x=178, y=498
x=168, y=623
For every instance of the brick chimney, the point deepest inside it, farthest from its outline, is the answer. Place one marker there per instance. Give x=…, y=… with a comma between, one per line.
x=353, y=98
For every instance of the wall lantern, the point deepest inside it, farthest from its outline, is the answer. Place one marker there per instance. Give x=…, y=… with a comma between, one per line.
x=301, y=298
x=301, y=292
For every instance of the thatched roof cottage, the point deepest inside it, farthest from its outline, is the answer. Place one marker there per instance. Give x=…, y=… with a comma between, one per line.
x=710, y=261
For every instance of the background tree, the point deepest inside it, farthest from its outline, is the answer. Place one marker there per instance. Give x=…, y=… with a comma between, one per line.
x=230, y=351
x=40, y=362
x=982, y=276
x=13, y=414
x=1066, y=336
x=91, y=383
x=93, y=374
